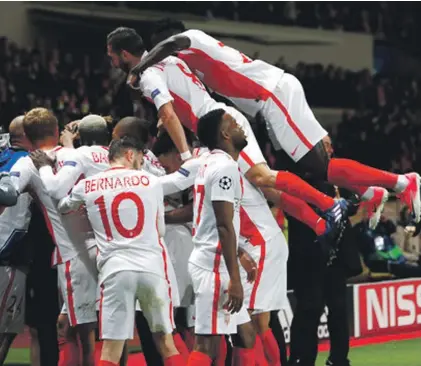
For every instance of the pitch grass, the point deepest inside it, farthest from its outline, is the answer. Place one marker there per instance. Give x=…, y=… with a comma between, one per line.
x=402, y=353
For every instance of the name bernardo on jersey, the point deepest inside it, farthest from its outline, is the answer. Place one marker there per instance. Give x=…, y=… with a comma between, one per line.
x=110, y=183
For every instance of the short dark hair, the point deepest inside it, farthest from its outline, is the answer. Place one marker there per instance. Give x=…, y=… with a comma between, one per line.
x=208, y=128
x=126, y=39
x=164, y=144
x=134, y=127
x=165, y=28
x=119, y=146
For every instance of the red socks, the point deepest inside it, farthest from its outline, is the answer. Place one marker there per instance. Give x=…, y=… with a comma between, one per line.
x=222, y=353
x=347, y=173
x=181, y=346
x=69, y=352
x=295, y=186
x=107, y=363
x=271, y=348
x=199, y=359
x=259, y=353
x=176, y=360
x=243, y=357
x=300, y=210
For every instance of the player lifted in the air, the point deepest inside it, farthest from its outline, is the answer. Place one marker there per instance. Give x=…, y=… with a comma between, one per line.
x=255, y=86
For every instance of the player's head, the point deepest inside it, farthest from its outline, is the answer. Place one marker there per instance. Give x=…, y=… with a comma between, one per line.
x=41, y=125
x=127, y=152
x=219, y=130
x=93, y=130
x=124, y=47
x=167, y=153
x=132, y=127
x=327, y=143
x=17, y=134
x=166, y=28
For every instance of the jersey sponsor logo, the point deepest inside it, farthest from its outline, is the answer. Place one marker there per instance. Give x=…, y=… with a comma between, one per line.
x=294, y=151
x=225, y=183
x=184, y=171
x=155, y=93
x=69, y=163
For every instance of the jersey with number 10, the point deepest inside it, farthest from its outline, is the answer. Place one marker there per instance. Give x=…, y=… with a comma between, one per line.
x=126, y=211
x=218, y=179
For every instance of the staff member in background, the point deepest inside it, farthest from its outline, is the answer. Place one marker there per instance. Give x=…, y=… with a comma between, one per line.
x=316, y=284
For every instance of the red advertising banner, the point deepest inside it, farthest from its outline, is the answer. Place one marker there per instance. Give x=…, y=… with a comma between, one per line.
x=389, y=307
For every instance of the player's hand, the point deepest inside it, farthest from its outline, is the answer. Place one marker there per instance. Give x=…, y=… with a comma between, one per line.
x=235, y=297
x=249, y=265
x=67, y=137
x=40, y=159
x=72, y=126
x=133, y=78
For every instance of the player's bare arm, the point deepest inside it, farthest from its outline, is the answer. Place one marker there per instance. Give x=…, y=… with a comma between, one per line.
x=180, y=215
x=158, y=53
x=224, y=212
x=174, y=128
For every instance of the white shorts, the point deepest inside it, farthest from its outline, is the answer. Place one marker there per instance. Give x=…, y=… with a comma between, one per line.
x=12, y=297
x=269, y=291
x=119, y=292
x=251, y=155
x=180, y=245
x=78, y=278
x=290, y=121
x=210, y=291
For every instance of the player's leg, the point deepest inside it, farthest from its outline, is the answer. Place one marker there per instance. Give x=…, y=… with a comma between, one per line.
x=116, y=315
x=149, y=348
x=153, y=293
x=293, y=127
x=12, y=317
x=78, y=283
x=67, y=341
x=212, y=321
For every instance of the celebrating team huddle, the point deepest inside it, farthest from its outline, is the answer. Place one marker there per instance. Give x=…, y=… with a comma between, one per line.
x=177, y=230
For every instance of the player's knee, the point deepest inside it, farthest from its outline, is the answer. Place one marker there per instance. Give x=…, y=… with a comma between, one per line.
x=209, y=345
x=316, y=162
x=261, y=322
x=245, y=337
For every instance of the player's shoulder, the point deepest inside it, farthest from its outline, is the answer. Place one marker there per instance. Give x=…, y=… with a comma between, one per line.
x=195, y=34
x=218, y=162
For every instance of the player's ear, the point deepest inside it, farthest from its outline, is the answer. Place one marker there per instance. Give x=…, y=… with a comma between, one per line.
x=129, y=155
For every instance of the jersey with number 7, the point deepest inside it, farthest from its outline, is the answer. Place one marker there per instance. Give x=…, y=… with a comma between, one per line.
x=126, y=211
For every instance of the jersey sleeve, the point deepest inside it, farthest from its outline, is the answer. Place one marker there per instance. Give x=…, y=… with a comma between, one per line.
x=182, y=179
x=21, y=174
x=8, y=194
x=197, y=37
x=223, y=181
x=161, y=209
x=74, y=200
x=154, y=86
x=59, y=184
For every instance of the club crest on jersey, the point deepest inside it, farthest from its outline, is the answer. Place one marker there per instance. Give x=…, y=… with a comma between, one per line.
x=184, y=171
x=155, y=93
x=225, y=183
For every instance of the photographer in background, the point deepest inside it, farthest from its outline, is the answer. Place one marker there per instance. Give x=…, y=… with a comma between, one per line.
x=316, y=284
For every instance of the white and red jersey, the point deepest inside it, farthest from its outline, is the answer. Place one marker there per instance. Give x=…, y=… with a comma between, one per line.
x=258, y=225
x=126, y=210
x=230, y=73
x=218, y=179
x=71, y=233
x=152, y=165
x=73, y=166
x=172, y=81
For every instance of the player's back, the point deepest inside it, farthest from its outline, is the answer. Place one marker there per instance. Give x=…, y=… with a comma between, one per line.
x=228, y=71
x=94, y=159
x=191, y=99
x=218, y=179
x=124, y=207
x=69, y=241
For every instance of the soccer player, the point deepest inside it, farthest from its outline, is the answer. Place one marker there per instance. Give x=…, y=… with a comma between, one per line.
x=76, y=246
x=125, y=208
x=14, y=223
x=178, y=93
x=255, y=86
x=213, y=265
